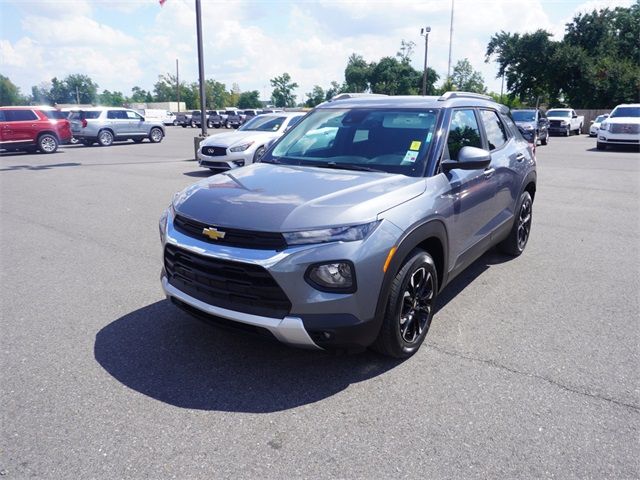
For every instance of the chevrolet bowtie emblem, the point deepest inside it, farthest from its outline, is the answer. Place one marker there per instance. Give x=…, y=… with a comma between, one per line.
x=213, y=233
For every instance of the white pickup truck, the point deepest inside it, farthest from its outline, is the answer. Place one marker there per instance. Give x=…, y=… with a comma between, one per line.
x=564, y=121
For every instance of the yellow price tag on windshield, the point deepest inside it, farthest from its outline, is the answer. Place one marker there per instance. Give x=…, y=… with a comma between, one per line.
x=415, y=145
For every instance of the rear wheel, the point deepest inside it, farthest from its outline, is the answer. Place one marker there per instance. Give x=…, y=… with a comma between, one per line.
x=47, y=143
x=105, y=138
x=155, y=135
x=518, y=237
x=409, y=307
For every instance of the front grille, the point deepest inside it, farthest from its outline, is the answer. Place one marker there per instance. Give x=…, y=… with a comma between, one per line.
x=232, y=237
x=232, y=285
x=625, y=128
x=214, y=151
x=556, y=124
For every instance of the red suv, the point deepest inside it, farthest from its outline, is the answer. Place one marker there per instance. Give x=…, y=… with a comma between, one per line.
x=33, y=128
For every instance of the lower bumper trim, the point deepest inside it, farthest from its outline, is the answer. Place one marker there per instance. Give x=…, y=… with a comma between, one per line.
x=288, y=330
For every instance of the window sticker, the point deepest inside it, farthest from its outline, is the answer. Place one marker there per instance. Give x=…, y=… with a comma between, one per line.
x=411, y=156
x=415, y=145
x=429, y=135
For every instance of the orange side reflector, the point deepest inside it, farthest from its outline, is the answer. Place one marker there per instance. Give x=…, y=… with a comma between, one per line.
x=389, y=257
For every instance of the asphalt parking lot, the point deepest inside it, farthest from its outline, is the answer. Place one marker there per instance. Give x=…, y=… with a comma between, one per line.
x=530, y=370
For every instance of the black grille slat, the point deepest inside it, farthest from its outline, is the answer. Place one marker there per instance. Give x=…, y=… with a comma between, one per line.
x=214, y=151
x=232, y=285
x=233, y=237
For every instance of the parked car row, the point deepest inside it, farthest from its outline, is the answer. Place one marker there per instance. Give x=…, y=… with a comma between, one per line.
x=45, y=128
x=228, y=118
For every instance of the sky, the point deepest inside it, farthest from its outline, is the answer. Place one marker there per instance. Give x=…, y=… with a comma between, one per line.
x=126, y=43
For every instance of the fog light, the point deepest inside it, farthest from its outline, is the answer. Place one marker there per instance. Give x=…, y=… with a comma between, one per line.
x=239, y=163
x=335, y=277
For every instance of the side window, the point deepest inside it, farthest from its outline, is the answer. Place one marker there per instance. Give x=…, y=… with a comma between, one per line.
x=463, y=132
x=113, y=114
x=20, y=115
x=508, y=121
x=2, y=117
x=496, y=133
x=133, y=115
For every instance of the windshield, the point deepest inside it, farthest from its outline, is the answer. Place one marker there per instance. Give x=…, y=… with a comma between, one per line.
x=558, y=113
x=600, y=118
x=523, y=115
x=625, y=112
x=263, y=123
x=394, y=141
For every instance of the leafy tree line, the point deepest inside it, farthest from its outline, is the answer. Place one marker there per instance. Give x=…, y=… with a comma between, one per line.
x=595, y=65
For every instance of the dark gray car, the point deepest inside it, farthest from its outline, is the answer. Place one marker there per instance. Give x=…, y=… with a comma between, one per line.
x=534, y=123
x=353, y=222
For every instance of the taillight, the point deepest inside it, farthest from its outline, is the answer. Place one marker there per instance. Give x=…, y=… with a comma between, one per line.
x=84, y=123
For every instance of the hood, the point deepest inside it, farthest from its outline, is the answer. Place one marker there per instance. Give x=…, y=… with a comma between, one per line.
x=237, y=137
x=624, y=120
x=283, y=198
x=531, y=125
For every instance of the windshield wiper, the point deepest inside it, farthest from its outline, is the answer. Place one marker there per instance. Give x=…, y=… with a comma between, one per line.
x=271, y=160
x=348, y=166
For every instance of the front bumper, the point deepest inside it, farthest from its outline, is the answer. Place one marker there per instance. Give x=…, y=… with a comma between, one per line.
x=607, y=137
x=316, y=319
x=225, y=162
x=561, y=129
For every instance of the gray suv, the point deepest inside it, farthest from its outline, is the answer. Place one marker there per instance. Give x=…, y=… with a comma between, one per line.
x=104, y=125
x=352, y=223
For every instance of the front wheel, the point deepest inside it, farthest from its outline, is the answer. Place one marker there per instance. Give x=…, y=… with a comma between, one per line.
x=258, y=155
x=409, y=307
x=545, y=140
x=155, y=135
x=518, y=237
x=568, y=132
x=47, y=143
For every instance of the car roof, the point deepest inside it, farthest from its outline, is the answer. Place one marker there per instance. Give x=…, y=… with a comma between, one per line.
x=628, y=105
x=27, y=107
x=448, y=100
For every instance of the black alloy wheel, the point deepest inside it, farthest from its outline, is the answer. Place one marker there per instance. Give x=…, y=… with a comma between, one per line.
x=518, y=237
x=410, y=307
x=524, y=223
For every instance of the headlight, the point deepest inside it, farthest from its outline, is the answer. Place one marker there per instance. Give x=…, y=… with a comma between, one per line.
x=334, y=277
x=563, y=122
x=164, y=218
x=604, y=126
x=338, y=234
x=528, y=127
x=241, y=148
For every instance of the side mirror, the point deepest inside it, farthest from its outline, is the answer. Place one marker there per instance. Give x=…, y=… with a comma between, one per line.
x=469, y=158
x=575, y=115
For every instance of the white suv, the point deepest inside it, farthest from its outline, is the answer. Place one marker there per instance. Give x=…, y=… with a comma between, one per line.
x=621, y=128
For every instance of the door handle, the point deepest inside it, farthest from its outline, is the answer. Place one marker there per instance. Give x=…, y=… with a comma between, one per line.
x=488, y=173
x=520, y=157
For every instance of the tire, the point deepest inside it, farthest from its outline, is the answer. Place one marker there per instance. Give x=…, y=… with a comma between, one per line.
x=209, y=125
x=409, y=307
x=105, y=138
x=47, y=143
x=580, y=130
x=259, y=152
x=518, y=237
x=601, y=146
x=175, y=123
x=193, y=124
x=545, y=140
x=184, y=125
x=568, y=132
x=217, y=126
x=156, y=135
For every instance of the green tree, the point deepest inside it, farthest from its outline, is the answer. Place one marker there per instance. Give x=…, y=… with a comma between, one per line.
x=249, y=99
x=10, y=93
x=138, y=95
x=334, y=90
x=216, y=93
x=315, y=97
x=466, y=79
x=111, y=99
x=233, y=97
x=357, y=74
x=282, y=95
x=80, y=88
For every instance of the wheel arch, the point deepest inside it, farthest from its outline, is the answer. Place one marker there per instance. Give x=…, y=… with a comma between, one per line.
x=430, y=236
x=48, y=132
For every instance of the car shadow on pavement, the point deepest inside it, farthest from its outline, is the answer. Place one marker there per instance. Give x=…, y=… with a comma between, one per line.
x=40, y=167
x=165, y=354
x=199, y=173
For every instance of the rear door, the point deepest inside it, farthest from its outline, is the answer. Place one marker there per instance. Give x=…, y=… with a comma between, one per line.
x=119, y=122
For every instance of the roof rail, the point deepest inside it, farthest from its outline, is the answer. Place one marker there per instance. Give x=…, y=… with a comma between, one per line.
x=450, y=95
x=344, y=96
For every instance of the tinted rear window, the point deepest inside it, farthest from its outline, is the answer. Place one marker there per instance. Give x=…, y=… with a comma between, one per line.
x=54, y=114
x=20, y=115
x=82, y=115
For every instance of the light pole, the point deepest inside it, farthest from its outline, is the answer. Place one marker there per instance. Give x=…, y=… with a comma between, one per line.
x=425, y=33
x=203, y=101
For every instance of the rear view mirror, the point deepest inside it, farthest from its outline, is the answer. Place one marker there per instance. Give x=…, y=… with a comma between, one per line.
x=469, y=158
